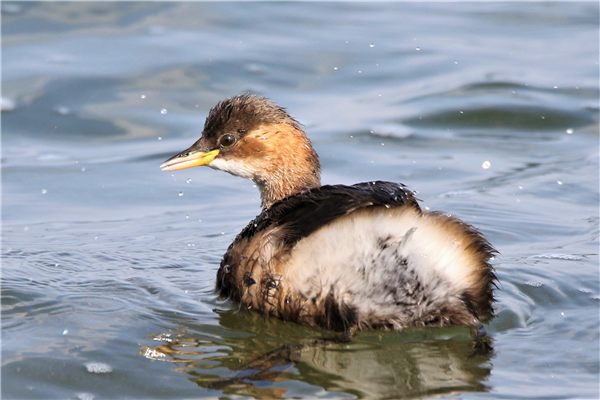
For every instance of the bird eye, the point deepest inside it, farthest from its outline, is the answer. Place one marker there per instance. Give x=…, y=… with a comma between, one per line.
x=227, y=140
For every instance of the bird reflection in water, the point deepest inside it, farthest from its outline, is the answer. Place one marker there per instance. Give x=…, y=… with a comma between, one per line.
x=418, y=362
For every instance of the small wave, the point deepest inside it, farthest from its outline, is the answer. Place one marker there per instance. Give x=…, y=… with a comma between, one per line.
x=457, y=193
x=534, y=283
x=392, y=130
x=98, y=368
x=555, y=256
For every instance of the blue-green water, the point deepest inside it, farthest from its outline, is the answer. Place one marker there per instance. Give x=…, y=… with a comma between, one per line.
x=488, y=110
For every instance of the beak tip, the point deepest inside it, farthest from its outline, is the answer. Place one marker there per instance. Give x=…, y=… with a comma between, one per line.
x=188, y=160
x=164, y=166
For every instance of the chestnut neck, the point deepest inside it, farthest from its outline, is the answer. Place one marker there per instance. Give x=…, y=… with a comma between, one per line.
x=291, y=166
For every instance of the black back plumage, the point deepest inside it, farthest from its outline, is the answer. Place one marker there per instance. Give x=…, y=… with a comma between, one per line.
x=324, y=205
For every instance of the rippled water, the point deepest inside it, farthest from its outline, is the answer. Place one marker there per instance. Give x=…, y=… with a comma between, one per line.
x=489, y=110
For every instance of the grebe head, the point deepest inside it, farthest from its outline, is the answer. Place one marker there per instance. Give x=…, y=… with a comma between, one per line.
x=251, y=137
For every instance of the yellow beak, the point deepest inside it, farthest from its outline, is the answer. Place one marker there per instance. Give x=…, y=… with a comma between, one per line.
x=188, y=159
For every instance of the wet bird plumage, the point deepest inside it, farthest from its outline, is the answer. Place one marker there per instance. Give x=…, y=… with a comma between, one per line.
x=337, y=257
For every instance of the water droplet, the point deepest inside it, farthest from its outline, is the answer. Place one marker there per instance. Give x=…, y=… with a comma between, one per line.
x=222, y=233
x=25, y=228
x=335, y=68
x=180, y=194
x=187, y=216
x=360, y=72
x=555, y=87
x=418, y=48
x=188, y=180
x=486, y=165
x=163, y=111
x=62, y=110
x=199, y=220
x=372, y=45
x=543, y=117
x=44, y=191
x=159, y=138
x=559, y=182
x=83, y=169
x=65, y=331
x=143, y=96
x=7, y=104
x=570, y=131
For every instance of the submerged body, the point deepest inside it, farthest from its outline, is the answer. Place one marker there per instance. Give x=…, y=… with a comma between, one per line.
x=337, y=257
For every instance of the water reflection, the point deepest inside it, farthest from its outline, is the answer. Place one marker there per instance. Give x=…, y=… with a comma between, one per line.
x=413, y=363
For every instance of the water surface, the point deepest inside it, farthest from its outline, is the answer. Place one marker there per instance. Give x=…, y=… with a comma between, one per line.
x=489, y=111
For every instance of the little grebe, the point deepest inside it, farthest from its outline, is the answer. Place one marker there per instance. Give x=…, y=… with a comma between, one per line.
x=337, y=257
